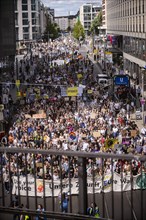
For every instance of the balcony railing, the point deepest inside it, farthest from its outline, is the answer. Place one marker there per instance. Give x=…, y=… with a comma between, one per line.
x=116, y=183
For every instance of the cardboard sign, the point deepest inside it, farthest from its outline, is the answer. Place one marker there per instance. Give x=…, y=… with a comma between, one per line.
x=89, y=91
x=93, y=115
x=72, y=91
x=40, y=165
x=27, y=116
x=96, y=134
x=66, y=99
x=133, y=133
x=39, y=116
x=124, y=132
x=41, y=111
x=17, y=83
x=73, y=98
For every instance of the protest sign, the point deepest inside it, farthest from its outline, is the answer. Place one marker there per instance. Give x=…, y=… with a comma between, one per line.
x=39, y=116
x=101, y=184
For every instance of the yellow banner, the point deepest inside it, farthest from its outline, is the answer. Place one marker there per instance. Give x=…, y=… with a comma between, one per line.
x=89, y=91
x=18, y=94
x=108, y=53
x=17, y=83
x=72, y=91
x=95, y=51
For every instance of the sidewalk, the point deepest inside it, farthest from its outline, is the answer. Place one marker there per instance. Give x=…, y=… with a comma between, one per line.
x=91, y=57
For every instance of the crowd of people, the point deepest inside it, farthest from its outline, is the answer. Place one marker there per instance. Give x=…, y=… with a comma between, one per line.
x=48, y=119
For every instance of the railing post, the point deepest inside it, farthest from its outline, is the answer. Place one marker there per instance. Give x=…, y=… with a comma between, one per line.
x=82, y=186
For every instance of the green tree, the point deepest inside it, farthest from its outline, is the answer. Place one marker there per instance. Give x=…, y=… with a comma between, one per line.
x=97, y=22
x=78, y=31
x=52, y=30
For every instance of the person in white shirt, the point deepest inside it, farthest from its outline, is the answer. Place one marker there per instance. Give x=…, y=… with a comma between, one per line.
x=65, y=145
x=85, y=145
x=143, y=130
x=115, y=131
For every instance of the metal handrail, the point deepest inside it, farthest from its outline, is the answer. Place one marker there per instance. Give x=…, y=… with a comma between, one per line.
x=48, y=214
x=74, y=153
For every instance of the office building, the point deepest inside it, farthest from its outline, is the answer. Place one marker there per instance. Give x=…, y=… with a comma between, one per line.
x=126, y=27
x=65, y=22
x=27, y=19
x=104, y=18
x=7, y=29
x=87, y=14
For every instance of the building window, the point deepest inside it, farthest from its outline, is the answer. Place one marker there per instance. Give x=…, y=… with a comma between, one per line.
x=17, y=37
x=25, y=22
x=24, y=5
x=33, y=2
x=143, y=24
x=33, y=21
x=24, y=8
x=34, y=36
x=33, y=14
x=33, y=7
x=25, y=29
x=34, y=29
x=139, y=24
x=24, y=2
x=24, y=15
x=87, y=17
x=16, y=19
x=15, y=5
x=26, y=36
x=87, y=9
x=143, y=6
x=140, y=7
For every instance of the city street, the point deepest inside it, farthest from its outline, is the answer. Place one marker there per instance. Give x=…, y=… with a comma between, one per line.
x=104, y=201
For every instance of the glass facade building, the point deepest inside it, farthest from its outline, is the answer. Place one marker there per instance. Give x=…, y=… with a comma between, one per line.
x=87, y=14
x=127, y=18
x=27, y=19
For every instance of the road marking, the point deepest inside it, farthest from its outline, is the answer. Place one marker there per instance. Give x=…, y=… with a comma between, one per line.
x=130, y=206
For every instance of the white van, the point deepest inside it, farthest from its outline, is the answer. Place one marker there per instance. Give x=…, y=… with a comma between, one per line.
x=103, y=80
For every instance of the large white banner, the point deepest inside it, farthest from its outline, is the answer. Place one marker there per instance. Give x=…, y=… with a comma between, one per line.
x=38, y=187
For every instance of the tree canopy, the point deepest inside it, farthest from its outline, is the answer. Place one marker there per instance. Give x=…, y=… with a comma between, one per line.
x=97, y=22
x=52, y=31
x=78, y=31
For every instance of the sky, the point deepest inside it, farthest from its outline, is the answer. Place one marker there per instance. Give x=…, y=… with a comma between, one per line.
x=66, y=7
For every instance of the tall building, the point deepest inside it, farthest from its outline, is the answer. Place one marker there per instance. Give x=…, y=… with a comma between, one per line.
x=66, y=21
x=87, y=14
x=126, y=27
x=7, y=28
x=44, y=16
x=27, y=19
x=62, y=22
x=104, y=18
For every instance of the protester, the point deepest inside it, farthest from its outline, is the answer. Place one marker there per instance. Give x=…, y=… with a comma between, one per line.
x=64, y=200
x=93, y=210
x=40, y=210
